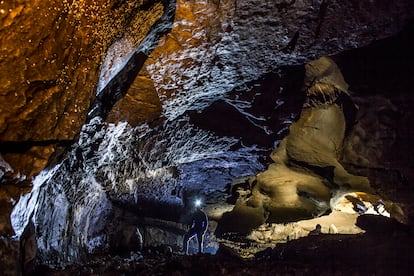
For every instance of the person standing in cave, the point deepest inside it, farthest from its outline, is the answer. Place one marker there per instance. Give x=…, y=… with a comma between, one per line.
x=198, y=227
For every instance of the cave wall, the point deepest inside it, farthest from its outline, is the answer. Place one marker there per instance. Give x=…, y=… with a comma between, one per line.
x=51, y=54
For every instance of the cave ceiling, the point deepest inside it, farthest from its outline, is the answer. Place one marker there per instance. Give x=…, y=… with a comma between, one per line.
x=52, y=54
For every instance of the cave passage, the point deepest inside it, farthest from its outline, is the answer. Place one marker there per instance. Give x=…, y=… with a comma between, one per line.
x=289, y=152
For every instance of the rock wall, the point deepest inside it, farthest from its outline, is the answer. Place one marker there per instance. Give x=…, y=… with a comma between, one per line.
x=307, y=177
x=51, y=54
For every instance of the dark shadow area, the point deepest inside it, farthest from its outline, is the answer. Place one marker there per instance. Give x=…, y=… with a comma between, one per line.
x=384, y=70
x=258, y=113
x=385, y=67
x=23, y=146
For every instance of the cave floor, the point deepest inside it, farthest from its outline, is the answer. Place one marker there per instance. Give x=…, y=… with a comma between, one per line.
x=386, y=249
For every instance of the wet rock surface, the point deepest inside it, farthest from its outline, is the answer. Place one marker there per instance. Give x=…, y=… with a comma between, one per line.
x=215, y=46
x=53, y=50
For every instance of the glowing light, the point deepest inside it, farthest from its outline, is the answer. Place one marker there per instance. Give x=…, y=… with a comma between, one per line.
x=198, y=202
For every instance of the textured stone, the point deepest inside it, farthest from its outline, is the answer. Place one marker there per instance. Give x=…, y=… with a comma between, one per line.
x=215, y=46
x=51, y=53
x=5, y=168
x=27, y=161
x=306, y=171
x=141, y=104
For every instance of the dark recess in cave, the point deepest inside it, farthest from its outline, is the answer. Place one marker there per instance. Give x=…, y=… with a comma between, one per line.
x=24, y=146
x=274, y=100
x=386, y=68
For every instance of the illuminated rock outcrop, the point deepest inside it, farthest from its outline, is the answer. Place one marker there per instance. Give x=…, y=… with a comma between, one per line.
x=214, y=46
x=306, y=173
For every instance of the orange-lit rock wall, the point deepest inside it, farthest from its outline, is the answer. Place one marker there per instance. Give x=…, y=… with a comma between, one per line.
x=50, y=58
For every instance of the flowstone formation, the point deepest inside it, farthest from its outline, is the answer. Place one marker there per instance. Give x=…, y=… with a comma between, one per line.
x=306, y=179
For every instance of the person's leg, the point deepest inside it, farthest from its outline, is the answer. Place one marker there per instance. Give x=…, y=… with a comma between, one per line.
x=187, y=237
x=185, y=243
x=200, y=236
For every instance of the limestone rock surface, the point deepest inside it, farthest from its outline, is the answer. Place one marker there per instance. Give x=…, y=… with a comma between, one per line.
x=51, y=55
x=214, y=46
x=306, y=171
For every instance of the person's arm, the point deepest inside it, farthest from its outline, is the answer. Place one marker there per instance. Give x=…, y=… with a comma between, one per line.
x=192, y=224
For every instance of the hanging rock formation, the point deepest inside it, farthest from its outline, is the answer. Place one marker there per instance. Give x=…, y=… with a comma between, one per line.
x=214, y=46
